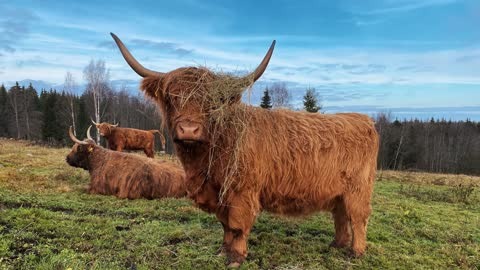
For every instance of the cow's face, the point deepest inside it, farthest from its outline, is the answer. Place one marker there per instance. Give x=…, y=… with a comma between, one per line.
x=187, y=97
x=104, y=129
x=79, y=155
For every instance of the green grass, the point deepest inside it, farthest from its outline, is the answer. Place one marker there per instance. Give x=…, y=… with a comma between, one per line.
x=47, y=221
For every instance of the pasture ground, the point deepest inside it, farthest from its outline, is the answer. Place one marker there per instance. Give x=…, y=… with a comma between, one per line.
x=47, y=221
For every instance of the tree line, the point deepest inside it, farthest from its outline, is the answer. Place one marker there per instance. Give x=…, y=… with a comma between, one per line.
x=439, y=145
x=45, y=115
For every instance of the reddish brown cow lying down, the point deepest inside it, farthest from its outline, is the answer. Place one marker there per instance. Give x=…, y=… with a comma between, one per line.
x=129, y=138
x=126, y=175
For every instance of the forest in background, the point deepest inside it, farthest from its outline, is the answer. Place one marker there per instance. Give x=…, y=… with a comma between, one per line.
x=437, y=145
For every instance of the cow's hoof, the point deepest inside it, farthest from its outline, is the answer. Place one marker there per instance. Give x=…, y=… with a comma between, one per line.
x=221, y=252
x=334, y=244
x=234, y=265
x=356, y=253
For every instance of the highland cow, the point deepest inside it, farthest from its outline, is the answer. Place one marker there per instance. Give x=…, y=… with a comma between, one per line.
x=240, y=159
x=126, y=175
x=119, y=139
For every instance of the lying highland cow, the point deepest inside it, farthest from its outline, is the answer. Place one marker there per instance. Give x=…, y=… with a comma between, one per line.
x=119, y=139
x=126, y=175
x=240, y=160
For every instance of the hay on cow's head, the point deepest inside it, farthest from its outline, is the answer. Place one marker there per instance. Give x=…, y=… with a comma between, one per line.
x=227, y=120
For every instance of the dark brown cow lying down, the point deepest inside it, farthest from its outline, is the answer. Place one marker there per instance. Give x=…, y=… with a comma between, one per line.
x=126, y=175
x=240, y=160
x=120, y=139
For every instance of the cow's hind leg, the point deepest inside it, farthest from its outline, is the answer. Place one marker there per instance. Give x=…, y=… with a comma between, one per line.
x=149, y=151
x=357, y=204
x=342, y=224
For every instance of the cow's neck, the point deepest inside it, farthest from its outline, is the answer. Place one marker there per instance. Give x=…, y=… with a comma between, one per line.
x=97, y=158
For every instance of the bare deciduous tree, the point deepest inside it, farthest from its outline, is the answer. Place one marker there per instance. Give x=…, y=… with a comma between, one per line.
x=280, y=95
x=13, y=100
x=68, y=88
x=97, y=77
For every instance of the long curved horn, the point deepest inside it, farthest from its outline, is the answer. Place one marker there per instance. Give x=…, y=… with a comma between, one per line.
x=134, y=64
x=88, y=133
x=263, y=65
x=94, y=122
x=116, y=125
x=74, y=139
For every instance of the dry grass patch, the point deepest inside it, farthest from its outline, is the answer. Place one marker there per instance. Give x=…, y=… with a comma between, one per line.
x=430, y=178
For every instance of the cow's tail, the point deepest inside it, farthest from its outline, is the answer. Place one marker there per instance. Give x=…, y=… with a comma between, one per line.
x=162, y=138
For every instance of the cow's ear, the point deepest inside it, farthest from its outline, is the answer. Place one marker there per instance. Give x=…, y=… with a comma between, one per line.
x=235, y=99
x=153, y=87
x=90, y=148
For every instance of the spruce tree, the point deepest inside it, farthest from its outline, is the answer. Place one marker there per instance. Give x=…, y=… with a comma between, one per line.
x=310, y=101
x=3, y=111
x=266, y=100
x=52, y=128
x=83, y=122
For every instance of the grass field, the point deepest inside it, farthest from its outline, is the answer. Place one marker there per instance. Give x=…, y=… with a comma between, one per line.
x=47, y=221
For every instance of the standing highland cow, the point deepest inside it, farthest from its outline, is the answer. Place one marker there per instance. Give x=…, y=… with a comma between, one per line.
x=126, y=175
x=240, y=160
x=119, y=139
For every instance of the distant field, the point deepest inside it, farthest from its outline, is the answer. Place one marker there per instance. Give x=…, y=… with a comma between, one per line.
x=47, y=221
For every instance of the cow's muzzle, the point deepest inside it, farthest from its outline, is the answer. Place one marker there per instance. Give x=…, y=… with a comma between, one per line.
x=188, y=133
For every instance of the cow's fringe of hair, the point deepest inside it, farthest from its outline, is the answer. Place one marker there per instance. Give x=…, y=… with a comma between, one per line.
x=226, y=122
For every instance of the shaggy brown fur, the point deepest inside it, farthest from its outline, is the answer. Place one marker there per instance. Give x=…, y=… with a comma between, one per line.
x=240, y=160
x=127, y=175
x=291, y=163
x=119, y=139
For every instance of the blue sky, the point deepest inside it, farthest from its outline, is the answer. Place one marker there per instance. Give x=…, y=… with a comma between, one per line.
x=415, y=58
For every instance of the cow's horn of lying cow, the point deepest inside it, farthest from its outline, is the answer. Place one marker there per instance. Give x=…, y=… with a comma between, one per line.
x=115, y=125
x=144, y=72
x=95, y=123
x=74, y=139
x=88, y=133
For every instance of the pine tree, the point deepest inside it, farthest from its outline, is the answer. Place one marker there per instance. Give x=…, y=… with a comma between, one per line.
x=3, y=111
x=82, y=118
x=310, y=101
x=31, y=111
x=52, y=128
x=266, y=100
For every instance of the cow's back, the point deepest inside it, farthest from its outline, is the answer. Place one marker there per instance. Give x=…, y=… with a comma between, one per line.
x=302, y=160
x=132, y=139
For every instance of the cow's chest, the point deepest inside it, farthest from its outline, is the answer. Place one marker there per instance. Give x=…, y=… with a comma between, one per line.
x=204, y=194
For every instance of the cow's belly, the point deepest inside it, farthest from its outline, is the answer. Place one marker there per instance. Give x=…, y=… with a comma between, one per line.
x=297, y=204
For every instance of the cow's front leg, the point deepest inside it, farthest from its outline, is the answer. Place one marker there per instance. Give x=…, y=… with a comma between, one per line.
x=241, y=216
x=227, y=240
x=227, y=234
